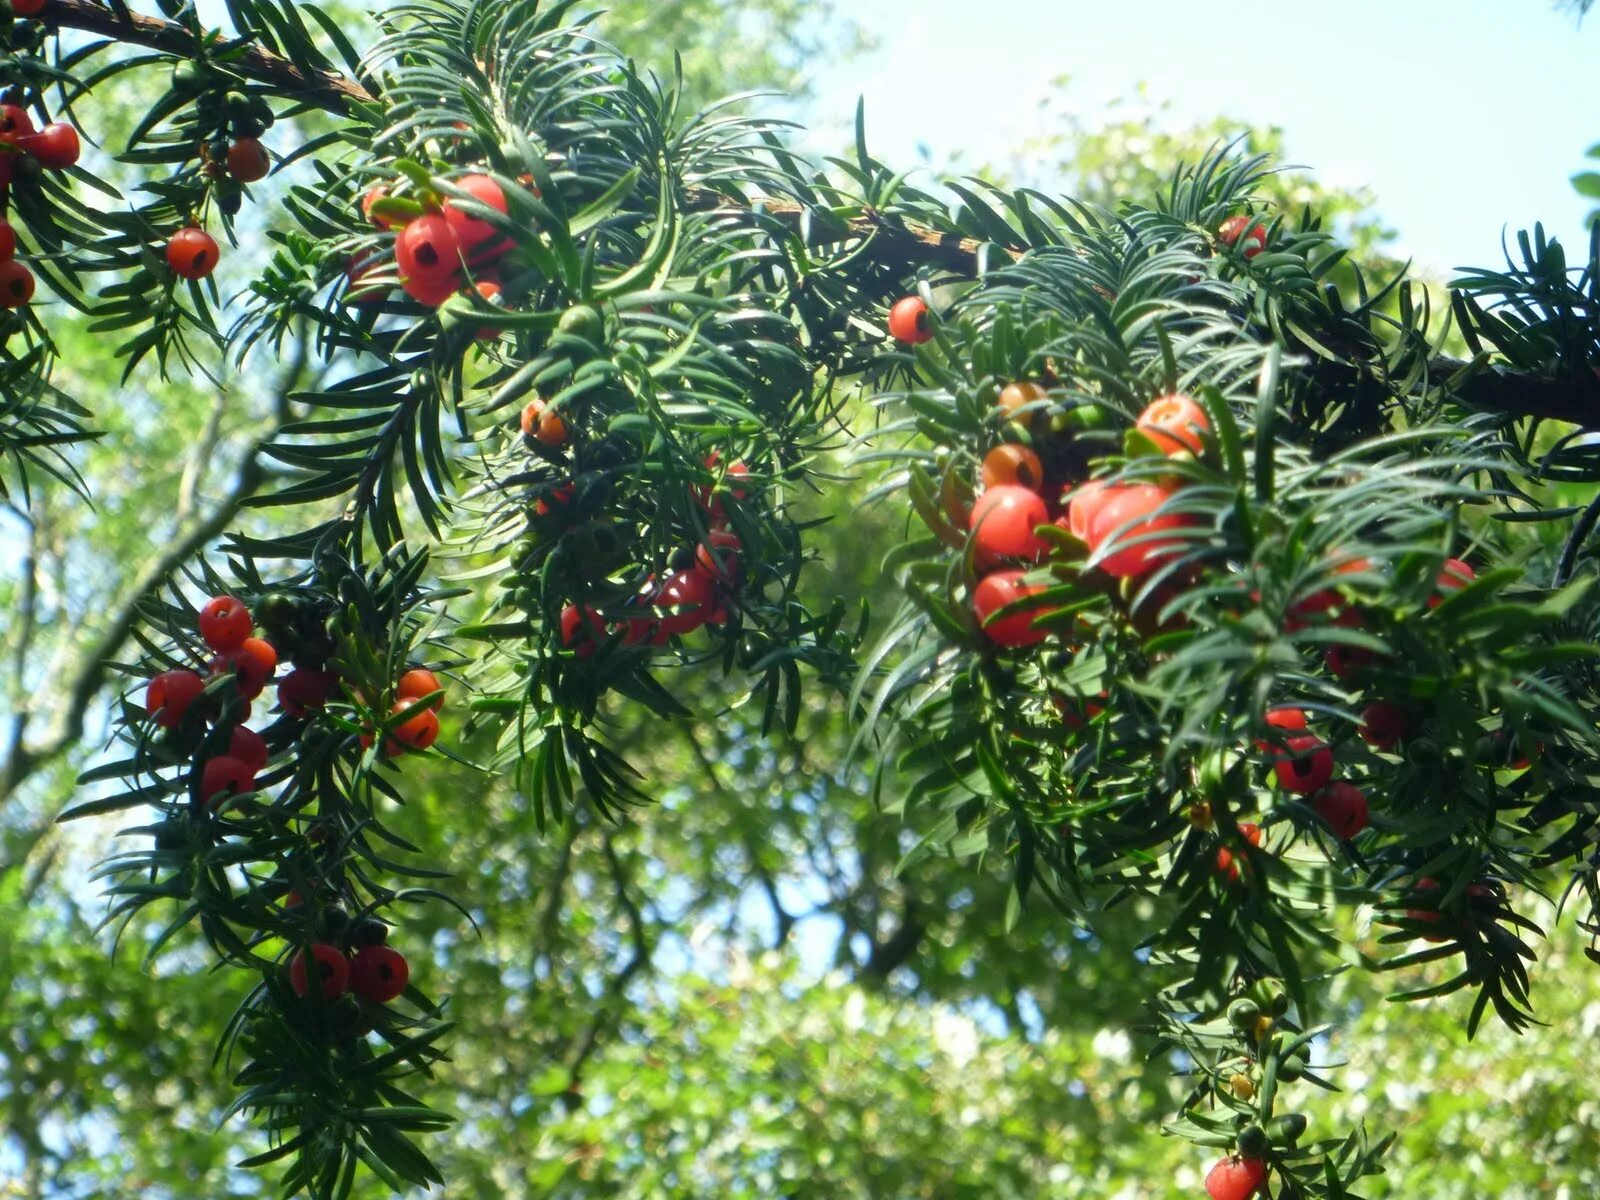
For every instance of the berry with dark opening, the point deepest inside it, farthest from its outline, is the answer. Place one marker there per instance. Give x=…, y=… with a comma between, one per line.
x=378, y=974
x=332, y=967
x=192, y=253
x=427, y=250
x=908, y=321
x=1343, y=806
x=16, y=284
x=223, y=776
x=1305, y=766
x=247, y=160
x=225, y=623
x=1003, y=522
x=542, y=423
x=1012, y=464
x=994, y=592
x=15, y=123
x=1176, y=424
x=416, y=732
x=1233, y=232
x=170, y=694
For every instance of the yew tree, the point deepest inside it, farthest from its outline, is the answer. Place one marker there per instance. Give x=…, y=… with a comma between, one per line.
x=1242, y=585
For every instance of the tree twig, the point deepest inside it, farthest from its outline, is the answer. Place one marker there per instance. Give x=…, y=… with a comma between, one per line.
x=328, y=89
x=611, y=1000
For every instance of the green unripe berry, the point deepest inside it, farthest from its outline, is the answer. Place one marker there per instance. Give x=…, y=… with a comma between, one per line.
x=1253, y=1142
x=1243, y=1013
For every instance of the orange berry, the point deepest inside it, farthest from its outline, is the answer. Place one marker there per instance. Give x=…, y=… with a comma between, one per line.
x=1012, y=463
x=1175, y=423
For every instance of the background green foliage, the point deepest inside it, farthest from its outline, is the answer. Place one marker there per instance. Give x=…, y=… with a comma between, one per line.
x=750, y=998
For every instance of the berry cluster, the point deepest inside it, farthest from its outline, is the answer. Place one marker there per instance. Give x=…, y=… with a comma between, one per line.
x=359, y=964
x=1261, y=1042
x=24, y=150
x=226, y=626
x=440, y=246
x=696, y=593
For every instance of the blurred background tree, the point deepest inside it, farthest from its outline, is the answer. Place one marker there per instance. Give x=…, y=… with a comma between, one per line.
x=739, y=995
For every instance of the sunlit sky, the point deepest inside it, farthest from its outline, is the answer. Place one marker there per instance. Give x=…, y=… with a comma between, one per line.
x=1464, y=116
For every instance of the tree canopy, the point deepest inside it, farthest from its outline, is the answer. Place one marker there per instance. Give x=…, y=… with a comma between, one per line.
x=895, y=646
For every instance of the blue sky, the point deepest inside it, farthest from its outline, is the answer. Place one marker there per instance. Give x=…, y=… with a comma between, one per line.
x=1464, y=116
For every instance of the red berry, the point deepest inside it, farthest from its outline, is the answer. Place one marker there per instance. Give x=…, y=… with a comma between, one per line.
x=378, y=974
x=1003, y=522
x=1250, y=832
x=488, y=290
x=427, y=250
x=1083, y=506
x=247, y=160
x=56, y=146
x=1235, y=1178
x=1232, y=232
x=474, y=234
x=1427, y=916
x=252, y=665
x=416, y=732
x=908, y=321
x=994, y=592
x=375, y=193
x=27, y=8
x=417, y=683
x=718, y=555
x=248, y=747
x=225, y=774
x=8, y=241
x=1344, y=807
x=581, y=630
x=1292, y=720
x=1175, y=423
x=430, y=292
x=1384, y=724
x=192, y=253
x=1127, y=514
x=710, y=498
x=15, y=123
x=691, y=594
x=302, y=690
x=16, y=284
x=333, y=969
x=1455, y=576
x=169, y=696
x=225, y=623
x=1306, y=765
